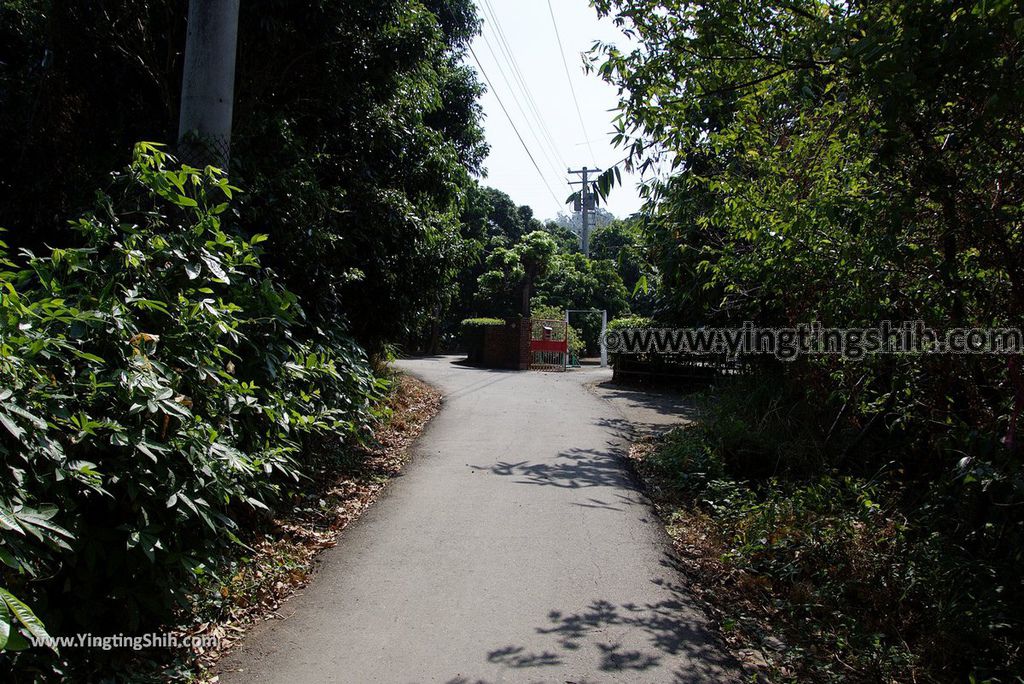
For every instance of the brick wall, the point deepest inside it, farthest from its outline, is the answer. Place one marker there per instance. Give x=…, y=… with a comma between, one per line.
x=496, y=342
x=505, y=346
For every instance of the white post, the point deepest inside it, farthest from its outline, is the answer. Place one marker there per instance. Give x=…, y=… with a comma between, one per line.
x=604, y=347
x=208, y=82
x=565, y=357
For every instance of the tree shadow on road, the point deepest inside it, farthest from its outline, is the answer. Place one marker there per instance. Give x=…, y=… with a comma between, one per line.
x=619, y=429
x=571, y=469
x=576, y=468
x=665, y=401
x=675, y=644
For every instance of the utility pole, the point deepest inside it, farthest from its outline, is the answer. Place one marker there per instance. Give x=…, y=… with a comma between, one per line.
x=585, y=205
x=208, y=83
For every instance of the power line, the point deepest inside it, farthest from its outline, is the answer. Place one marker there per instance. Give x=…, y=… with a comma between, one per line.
x=511, y=89
x=517, y=74
x=568, y=77
x=522, y=142
x=510, y=58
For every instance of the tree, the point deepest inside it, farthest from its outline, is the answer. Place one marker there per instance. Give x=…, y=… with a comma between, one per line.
x=489, y=220
x=506, y=218
x=567, y=240
x=621, y=242
x=573, y=281
x=356, y=132
x=364, y=176
x=846, y=162
x=511, y=272
x=851, y=163
x=208, y=82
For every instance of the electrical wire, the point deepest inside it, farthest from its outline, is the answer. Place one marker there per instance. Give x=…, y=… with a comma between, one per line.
x=568, y=77
x=511, y=89
x=522, y=142
x=489, y=12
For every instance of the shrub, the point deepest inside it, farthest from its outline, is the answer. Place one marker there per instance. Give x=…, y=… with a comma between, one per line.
x=157, y=385
x=866, y=573
x=481, y=322
x=630, y=322
x=686, y=461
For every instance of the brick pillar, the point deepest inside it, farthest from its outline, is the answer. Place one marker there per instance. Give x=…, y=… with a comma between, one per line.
x=525, y=333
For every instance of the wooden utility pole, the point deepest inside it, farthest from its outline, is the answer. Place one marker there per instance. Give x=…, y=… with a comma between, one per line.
x=586, y=204
x=208, y=83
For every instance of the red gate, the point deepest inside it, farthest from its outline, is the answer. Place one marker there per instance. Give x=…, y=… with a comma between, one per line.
x=549, y=344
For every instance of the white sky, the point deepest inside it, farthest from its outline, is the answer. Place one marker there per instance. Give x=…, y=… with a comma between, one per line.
x=530, y=36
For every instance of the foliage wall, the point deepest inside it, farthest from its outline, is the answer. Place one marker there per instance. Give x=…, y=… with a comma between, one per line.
x=355, y=131
x=851, y=163
x=842, y=162
x=158, y=385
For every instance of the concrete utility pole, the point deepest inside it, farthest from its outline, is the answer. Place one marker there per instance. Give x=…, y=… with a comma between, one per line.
x=208, y=83
x=585, y=205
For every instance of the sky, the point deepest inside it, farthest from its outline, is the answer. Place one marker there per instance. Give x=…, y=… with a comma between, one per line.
x=530, y=37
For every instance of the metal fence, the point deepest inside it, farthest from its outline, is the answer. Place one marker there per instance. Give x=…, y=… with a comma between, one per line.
x=549, y=344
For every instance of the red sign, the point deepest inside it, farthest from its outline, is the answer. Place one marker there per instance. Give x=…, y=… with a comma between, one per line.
x=549, y=346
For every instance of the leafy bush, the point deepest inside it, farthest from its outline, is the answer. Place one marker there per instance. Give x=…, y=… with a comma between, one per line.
x=865, y=574
x=481, y=322
x=686, y=461
x=764, y=428
x=365, y=196
x=158, y=384
x=630, y=322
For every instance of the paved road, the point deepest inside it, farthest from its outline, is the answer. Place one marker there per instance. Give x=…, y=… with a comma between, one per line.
x=514, y=549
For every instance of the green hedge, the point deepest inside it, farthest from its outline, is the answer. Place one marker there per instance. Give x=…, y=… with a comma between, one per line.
x=630, y=322
x=481, y=322
x=157, y=383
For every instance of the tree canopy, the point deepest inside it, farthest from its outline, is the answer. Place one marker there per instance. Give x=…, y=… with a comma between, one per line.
x=356, y=133
x=849, y=163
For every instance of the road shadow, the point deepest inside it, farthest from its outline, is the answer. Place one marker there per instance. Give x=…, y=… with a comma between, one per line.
x=675, y=644
x=571, y=469
x=648, y=411
x=660, y=401
x=465, y=364
x=619, y=428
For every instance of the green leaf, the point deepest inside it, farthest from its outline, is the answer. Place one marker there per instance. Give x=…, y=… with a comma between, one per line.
x=39, y=524
x=16, y=642
x=24, y=614
x=86, y=356
x=5, y=625
x=150, y=449
x=11, y=426
x=44, y=512
x=38, y=422
x=8, y=521
x=9, y=560
x=641, y=284
x=215, y=267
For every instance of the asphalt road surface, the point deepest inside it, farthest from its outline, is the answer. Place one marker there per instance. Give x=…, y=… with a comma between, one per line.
x=515, y=548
